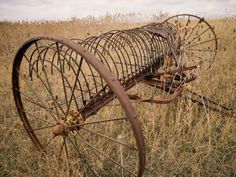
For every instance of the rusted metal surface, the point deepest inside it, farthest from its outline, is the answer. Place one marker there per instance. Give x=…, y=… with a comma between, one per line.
x=69, y=90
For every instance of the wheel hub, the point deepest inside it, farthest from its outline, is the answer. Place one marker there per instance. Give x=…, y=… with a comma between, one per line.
x=60, y=129
x=70, y=123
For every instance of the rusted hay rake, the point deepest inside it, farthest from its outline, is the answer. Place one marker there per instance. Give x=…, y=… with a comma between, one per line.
x=71, y=94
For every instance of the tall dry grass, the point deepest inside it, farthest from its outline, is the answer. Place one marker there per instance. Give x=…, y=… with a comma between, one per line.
x=182, y=139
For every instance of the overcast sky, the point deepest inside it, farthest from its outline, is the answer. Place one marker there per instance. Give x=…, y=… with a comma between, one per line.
x=61, y=10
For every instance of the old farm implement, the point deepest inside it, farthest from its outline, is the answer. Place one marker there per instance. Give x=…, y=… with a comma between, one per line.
x=74, y=96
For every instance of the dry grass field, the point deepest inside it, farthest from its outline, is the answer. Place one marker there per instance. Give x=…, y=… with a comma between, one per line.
x=182, y=139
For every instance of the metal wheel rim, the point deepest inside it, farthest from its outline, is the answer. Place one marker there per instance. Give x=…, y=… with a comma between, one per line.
x=110, y=79
x=211, y=30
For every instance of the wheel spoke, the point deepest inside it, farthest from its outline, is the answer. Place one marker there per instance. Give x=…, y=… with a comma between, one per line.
x=83, y=159
x=189, y=46
x=96, y=154
x=41, y=128
x=186, y=25
x=61, y=148
x=37, y=117
x=194, y=29
x=64, y=102
x=66, y=150
x=102, y=153
x=49, y=141
x=99, y=121
x=114, y=140
x=66, y=153
x=199, y=35
x=27, y=98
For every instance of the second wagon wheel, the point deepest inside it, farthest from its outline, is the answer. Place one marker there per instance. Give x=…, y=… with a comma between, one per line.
x=198, y=43
x=74, y=109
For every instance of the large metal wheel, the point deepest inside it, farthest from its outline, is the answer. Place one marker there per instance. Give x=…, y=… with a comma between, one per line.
x=198, y=42
x=74, y=109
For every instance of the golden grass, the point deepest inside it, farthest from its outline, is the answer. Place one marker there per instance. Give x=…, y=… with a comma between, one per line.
x=181, y=138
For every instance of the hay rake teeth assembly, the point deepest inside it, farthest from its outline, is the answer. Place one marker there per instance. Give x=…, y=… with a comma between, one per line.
x=73, y=96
